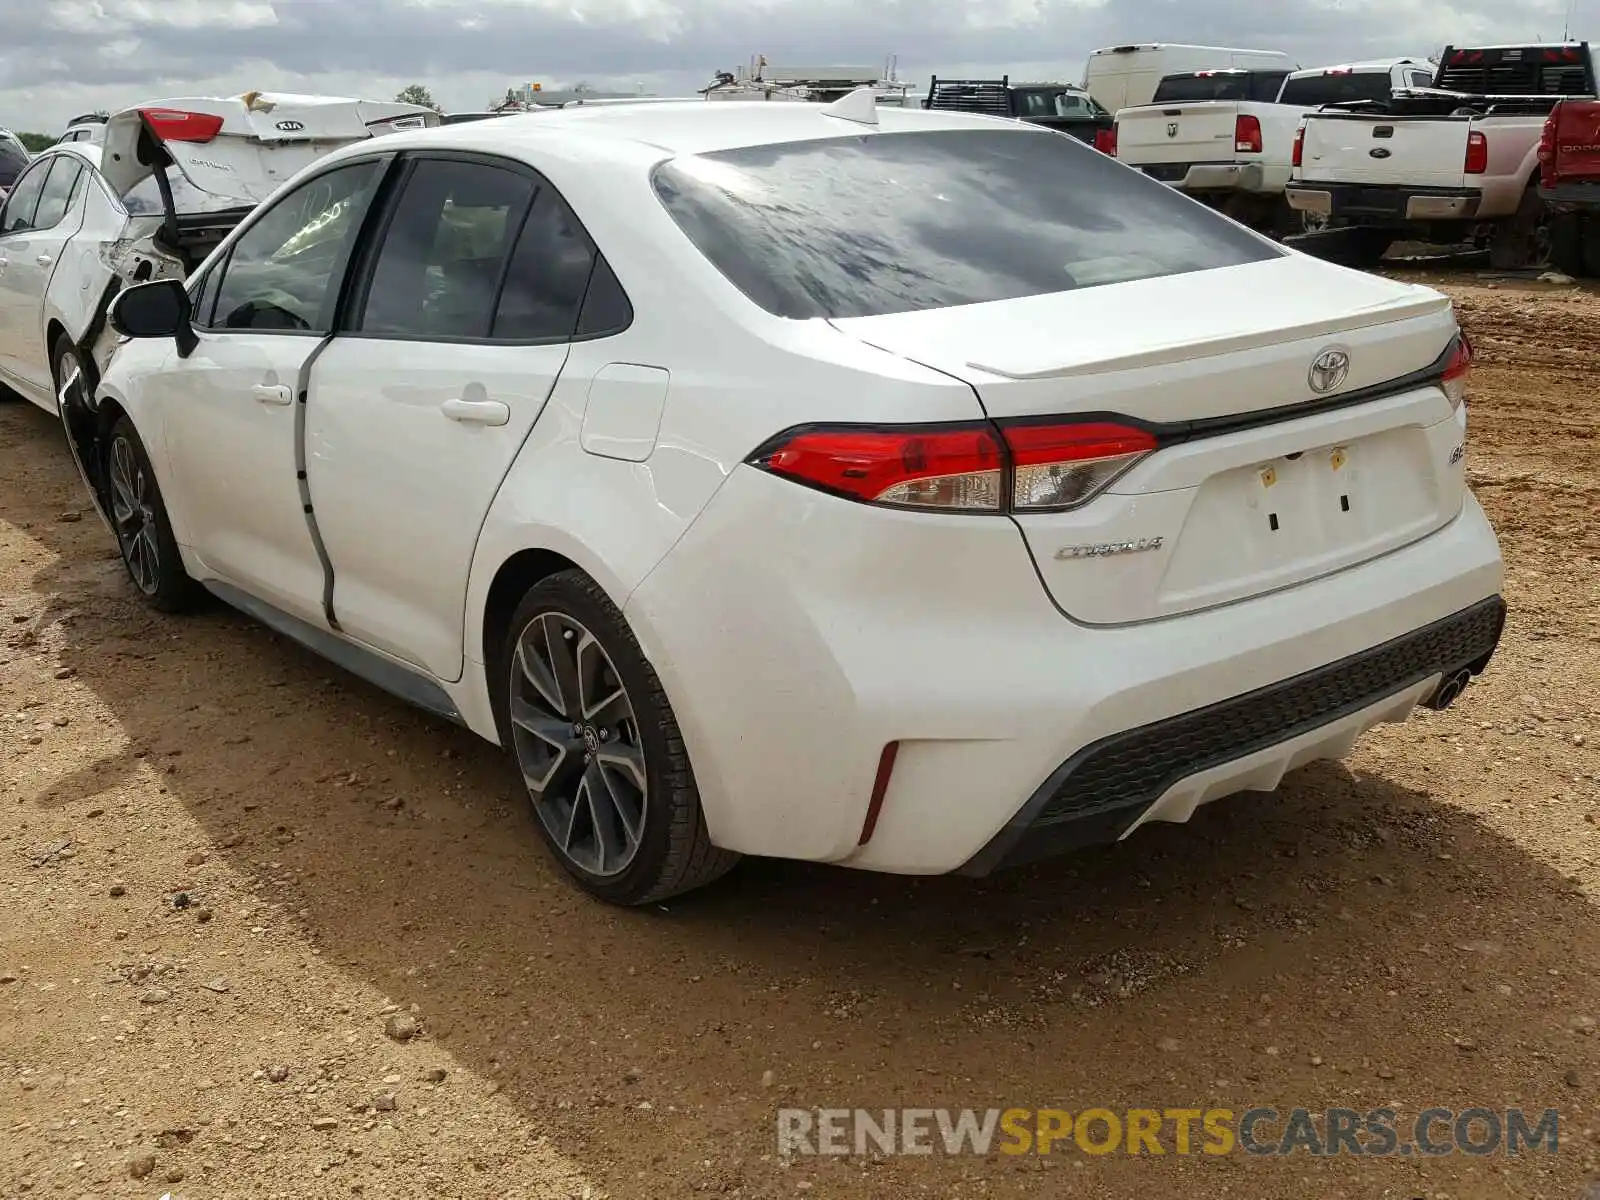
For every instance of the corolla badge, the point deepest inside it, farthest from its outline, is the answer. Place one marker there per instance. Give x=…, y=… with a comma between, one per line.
x=1328, y=371
x=1105, y=549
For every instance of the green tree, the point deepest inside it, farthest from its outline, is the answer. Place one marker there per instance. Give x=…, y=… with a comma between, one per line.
x=417, y=94
x=36, y=142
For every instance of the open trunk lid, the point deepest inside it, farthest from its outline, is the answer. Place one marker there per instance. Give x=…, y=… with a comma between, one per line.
x=1260, y=482
x=1202, y=131
x=243, y=147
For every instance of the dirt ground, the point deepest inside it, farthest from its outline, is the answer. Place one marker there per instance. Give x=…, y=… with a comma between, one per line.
x=1416, y=927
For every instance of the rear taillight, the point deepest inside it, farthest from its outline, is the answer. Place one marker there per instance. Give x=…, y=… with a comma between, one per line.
x=1477, y=161
x=1547, y=148
x=1057, y=466
x=175, y=125
x=1456, y=369
x=1299, y=147
x=1105, y=141
x=953, y=468
x=1247, y=134
x=1036, y=466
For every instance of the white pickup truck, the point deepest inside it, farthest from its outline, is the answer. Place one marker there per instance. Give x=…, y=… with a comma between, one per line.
x=1226, y=137
x=1451, y=163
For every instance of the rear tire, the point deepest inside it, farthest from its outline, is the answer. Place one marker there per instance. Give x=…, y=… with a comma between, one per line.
x=1567, y=236
x=1522, y=240
x=143, y=531
x=598, y=747
x=1589, y=235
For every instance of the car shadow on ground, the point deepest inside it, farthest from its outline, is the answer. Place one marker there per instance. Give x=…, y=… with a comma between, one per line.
x=1345, y=940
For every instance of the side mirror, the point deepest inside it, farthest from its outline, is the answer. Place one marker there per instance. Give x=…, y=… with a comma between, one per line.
x=158, y=309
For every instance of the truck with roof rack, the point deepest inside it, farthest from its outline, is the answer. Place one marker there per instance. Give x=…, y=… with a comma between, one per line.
x=1064, y=107
x=1452, y=163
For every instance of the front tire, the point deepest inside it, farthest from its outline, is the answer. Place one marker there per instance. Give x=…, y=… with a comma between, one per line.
x=599, y=749
x=139, y=520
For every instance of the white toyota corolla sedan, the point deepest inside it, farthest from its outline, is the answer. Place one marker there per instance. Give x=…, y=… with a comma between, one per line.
x=907, y=490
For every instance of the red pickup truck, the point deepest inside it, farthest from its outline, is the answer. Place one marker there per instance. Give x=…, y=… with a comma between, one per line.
x=1569, y=185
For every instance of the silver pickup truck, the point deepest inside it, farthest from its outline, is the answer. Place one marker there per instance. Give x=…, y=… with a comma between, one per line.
x=1451, y=163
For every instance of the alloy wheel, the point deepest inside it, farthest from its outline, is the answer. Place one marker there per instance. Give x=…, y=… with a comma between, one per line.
x=577, y=744
x=134, y=517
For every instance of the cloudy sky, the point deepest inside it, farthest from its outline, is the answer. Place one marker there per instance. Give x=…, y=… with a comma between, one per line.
x=59, y=57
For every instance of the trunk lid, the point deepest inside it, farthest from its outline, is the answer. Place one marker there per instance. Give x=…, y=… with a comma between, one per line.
x=1237, y=504
x=1197, y=132
x=264, y=139
x=1424, y=151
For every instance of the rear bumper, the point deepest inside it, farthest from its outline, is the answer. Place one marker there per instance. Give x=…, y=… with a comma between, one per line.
x=837, y=628
x=1384, y=203
x=1209, y=176
x=1571, y=197
x=1164, y=770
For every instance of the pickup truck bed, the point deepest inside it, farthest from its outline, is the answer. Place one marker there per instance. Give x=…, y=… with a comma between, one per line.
x=1442, y=164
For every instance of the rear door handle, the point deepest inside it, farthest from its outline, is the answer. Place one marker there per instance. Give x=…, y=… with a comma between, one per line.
x=44, y=260
x=476, y=412
x=272, y=393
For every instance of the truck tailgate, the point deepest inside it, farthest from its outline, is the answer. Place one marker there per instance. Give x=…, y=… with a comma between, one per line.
x=1379, y=150
x=1200, y=131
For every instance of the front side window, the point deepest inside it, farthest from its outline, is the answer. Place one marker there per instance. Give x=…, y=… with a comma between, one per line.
x=56, y=197
x=282, y=271
x=23, y=200
x=898, y=222
x=443, y=255
x=1076, y=104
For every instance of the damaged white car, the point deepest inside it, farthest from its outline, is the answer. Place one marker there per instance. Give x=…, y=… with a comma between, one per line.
x=150, y=199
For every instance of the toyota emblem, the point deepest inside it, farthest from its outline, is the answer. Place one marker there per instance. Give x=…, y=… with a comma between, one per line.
x=1328, y=371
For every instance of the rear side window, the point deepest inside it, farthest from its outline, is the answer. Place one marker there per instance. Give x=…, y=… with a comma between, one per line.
x=59, y=189
x=1313, y=91
x=549, y=273
x=444, y=251
x=899, y=222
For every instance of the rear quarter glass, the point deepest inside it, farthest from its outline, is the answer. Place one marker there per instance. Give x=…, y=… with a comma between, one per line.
x=882, y=223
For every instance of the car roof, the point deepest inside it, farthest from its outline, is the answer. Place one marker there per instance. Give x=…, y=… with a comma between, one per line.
x=654, y=131
x=88, y=151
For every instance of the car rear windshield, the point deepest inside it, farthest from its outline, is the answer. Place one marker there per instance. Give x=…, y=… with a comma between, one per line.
x=1312, y=91
x=899, y=222
x=1261, y=86
x=144, y=198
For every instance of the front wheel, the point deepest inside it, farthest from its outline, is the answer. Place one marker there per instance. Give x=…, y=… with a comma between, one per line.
x=139, y=520
x=598, y=748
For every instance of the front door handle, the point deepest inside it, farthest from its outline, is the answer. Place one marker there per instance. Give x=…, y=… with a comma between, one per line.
x=476, y=412
x=272, y=393
x=44, y=260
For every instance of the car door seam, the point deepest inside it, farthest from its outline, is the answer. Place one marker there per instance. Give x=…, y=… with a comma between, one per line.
x=302, y=388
